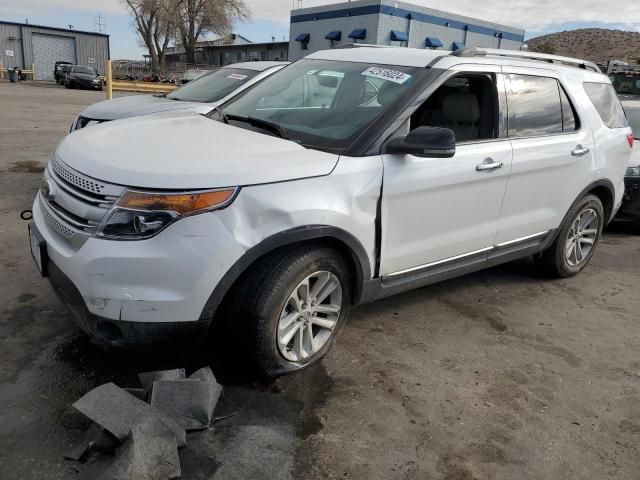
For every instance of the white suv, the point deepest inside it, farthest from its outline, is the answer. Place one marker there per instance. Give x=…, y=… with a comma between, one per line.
x=348, y=176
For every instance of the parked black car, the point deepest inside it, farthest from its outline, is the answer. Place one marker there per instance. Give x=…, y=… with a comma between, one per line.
x=59, y=72
x=83, y=77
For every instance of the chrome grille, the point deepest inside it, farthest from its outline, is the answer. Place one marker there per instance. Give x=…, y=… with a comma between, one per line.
x=74, y=204
x=79, y=181
x=85, y=122
x=51, y=220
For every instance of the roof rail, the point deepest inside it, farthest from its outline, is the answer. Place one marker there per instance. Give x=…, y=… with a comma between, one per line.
x=357, y=45
x=541, y=57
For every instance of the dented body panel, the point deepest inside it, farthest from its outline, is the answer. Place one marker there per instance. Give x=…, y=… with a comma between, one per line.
x=169, y=278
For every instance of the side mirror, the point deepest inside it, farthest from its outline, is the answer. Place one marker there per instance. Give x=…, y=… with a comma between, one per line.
x=430, y=142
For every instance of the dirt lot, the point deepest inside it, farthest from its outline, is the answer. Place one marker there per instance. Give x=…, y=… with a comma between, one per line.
x=498, y=375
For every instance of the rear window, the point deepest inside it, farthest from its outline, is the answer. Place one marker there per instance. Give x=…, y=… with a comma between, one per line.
x=604, y=98
x=626, y=83
x=537, y=107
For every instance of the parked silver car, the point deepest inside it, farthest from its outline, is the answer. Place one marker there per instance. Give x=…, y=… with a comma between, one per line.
x=200, y=95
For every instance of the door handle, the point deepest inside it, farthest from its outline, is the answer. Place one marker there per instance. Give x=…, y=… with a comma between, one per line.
x=579, y=151
x=489, y=165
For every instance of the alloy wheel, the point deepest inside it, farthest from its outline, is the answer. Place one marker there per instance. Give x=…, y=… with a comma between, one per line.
x=582, y=237
x=310, y=315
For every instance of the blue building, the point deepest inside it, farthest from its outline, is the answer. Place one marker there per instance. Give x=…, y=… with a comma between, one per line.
x=388, y=22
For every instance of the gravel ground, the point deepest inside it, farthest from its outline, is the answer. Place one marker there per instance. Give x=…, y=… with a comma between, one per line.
x=498, y=375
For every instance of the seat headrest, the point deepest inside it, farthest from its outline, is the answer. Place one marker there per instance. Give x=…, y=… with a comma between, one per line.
x=461, y=107
x=388, y=93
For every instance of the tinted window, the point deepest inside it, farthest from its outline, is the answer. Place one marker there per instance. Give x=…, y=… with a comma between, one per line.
x=535, y=103
x=633, y=114
x=626, y=83
x=604, y=98
x=570, y=122
x=86, y=70
x=214, y=86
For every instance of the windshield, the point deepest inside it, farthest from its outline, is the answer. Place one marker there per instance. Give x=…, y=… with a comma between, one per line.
x=626, y=84
x=88, y=70
x=324, y=104
x=214, y=86
x=633, y=115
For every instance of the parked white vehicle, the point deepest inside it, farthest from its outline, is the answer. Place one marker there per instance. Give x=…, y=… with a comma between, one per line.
x=199, y=95
x=264, y=221
x=630, y=209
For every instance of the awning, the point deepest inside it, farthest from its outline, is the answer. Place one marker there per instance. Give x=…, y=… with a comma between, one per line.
x=359, y=34
x=334, y=36
x=303, y=37
x=433, y=42
x=398, y=36
x=458, y=45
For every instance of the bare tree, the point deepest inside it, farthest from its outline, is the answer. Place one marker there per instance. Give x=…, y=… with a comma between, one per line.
x=198, y=17
x=154, y=20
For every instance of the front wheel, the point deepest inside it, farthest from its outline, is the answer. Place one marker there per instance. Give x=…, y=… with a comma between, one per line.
x=295, y=303
x=577, y=240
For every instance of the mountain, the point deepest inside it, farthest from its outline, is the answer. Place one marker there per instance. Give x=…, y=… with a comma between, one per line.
x=596, y=44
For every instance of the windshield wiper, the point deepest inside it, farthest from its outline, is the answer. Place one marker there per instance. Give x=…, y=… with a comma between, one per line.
x=260, y=123
x=221, y=114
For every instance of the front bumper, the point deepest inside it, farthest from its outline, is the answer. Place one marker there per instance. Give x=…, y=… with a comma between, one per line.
x=86, y=84
x=109, y=333
x=141, y=292
x=630, y=209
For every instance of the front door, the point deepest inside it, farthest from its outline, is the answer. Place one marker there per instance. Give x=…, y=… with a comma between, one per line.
x=436, y=210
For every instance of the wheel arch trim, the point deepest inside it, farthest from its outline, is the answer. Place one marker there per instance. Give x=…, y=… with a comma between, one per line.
x=359, y=257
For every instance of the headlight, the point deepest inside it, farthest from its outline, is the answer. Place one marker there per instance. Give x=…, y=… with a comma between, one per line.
x=139, y=215
x=633, y=172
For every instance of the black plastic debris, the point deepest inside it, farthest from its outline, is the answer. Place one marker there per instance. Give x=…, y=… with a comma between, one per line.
x=147, y=378
x=190, y=402
x=117, y=411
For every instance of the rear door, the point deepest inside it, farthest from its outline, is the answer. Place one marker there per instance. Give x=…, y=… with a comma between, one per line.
x=553, y=159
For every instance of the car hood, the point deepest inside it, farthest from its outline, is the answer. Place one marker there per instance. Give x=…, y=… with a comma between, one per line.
x=185, y=150
x=136, y=105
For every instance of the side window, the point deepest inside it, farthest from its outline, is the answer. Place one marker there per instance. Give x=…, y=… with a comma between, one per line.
x=466, y=104
x=604, y=98
x=535, y=103
x=570, y=121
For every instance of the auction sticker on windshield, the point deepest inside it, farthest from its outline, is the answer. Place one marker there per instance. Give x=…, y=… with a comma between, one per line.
x=387, y=74
x=237, y=76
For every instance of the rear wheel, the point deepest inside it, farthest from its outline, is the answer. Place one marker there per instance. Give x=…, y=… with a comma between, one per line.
x=577, y=241
x=289, y=308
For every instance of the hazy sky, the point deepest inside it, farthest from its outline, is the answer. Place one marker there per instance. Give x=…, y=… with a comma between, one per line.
x=270, y=18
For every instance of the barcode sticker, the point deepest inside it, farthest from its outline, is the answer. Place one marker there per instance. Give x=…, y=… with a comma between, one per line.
x=387, y=74
x=237, y=76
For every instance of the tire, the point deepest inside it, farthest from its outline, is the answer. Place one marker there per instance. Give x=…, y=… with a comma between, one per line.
x=68, y=85
x=263, y=297
x=586, y=215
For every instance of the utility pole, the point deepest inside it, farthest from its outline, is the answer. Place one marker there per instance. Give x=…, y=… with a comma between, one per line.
x=100, y=23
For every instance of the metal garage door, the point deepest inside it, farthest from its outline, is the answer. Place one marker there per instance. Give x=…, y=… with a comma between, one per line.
x=49, y=49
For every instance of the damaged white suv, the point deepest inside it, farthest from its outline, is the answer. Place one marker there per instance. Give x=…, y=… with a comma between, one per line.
x=348, y=176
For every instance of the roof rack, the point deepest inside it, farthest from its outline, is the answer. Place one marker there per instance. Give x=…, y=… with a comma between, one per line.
x=357, y=45
x=541, y=57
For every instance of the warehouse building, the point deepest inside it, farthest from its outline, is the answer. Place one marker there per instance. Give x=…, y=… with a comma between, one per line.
x=24, y=45
x=388, y=22
x=232, y=48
